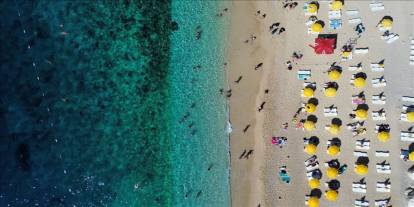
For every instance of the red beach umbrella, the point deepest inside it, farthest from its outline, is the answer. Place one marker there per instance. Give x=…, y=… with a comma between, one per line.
x=324, y=45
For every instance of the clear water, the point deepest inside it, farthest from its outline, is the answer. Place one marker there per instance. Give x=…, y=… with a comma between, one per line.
x=94, y=121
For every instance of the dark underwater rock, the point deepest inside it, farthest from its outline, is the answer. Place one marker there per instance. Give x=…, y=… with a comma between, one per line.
x=23, y=157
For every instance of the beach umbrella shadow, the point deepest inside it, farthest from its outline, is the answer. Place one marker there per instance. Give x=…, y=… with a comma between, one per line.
x=363, y=107
x=334, y=184
x=332, y=85
x=312, y=118
x=313, y=101
x=314, y=140
x=362, y=161
x=361, y=75
x=410, y=108
x=316, y=193
x=336, y=121
x=336, y=141
x=411, y=147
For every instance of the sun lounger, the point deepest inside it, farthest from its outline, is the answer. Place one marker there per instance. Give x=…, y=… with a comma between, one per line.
x=355, y=68
x=407, y=136
x=359, y=187
x=362, y=144
x=312, y=166
x=355, y=20
x=379, y=82
x=330, y=112
x=376, y=116
x=378, y=100
x=309, y=84
x=382, y=202
x=352, y=13
x=379, y=153
x=360, y=154
x=383, y=168
x=407, y=99
x=361, y=50
x=392, y=38
x=376, y=6
x=304, y=74
x=383, y=187
x=334, y=14
x=335, y=23
x=375, y=67
x=355, y=125
x=361, y=203
x=311, y=160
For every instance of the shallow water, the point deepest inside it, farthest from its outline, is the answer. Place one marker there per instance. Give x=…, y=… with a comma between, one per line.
x=88, y=113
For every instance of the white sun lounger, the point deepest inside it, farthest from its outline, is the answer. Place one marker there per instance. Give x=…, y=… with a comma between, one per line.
x=355, y=67
x=362, y=144
x=407, y=99
x=359, y=188
x=379, y=153
x=334, y=14
x=378, y=82
x=330, y=112
x=376, y=6
x=309, y=84
x=376, y=116
x=392, y=38
x=361, y=50
x=355, y=20
x=352, y=13
x=407, y=136
x=312, y=166
x=383, y=169
x=304, y=74
x=375, y=67
x=361, y=203
x=383, y=187
x=378, y=100
x=382, y=202
x=360, y=154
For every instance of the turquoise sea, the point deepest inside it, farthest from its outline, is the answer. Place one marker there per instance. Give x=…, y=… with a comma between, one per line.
x=113, y=103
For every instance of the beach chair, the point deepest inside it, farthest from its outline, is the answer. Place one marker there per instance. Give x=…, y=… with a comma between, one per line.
x=311, y=160
x=375, y=67
x=383, y=168
x=352, y=13
x=334, y=14
x=357, y=67
x=379, y=82
x=382, y=126
x=407, y=136
x=359, y=131
x=379, y=153
x=407, y=99
x=360, y=154
x=355, y=20
x=376, y=6
x=378, y=116
x=304, y=74
x=383, y=187
x=392, y=38
x=378, y=99
x=362, y=144
x=361, y=50
x=359, y=187
x=355, y=125
x=309, y=84
x=330, y=112
x=361, y=203
x=382, y=202
x=312, y=166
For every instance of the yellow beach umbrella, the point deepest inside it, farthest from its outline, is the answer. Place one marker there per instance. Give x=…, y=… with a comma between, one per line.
x=316, y=27
x=310, y=149
x=314, y=183
x=346, y=54
x=359, y=82
x=411, y=156
x=309, y=125
x=330, y=92
x=332, y=172
x=313, y=201
x=310, y=108
x=331, y=195
x=336, y=5
x=334, y=75
x=334, y=129
x=410, y=116
x=386, y=23
x=312, y=8
x=308, y=92
x=361, y=169
x=361, y=114
x=333, y=150
x=383, y=136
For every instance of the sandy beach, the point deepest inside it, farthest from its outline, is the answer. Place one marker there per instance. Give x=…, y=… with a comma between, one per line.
x=255, y=181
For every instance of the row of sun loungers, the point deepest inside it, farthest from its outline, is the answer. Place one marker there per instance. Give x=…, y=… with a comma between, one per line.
x=376, y=6
x=407, y=136
x=382, y=187
x=412, y=52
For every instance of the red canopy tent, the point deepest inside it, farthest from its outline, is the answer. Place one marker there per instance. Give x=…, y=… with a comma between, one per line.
x=324, y=45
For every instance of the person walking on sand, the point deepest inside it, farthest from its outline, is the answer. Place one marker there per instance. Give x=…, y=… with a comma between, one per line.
x=258, y=66
x=261, y=106
x=246, y=128
x=248, y=154
x=239, y=79
x=242, y=155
